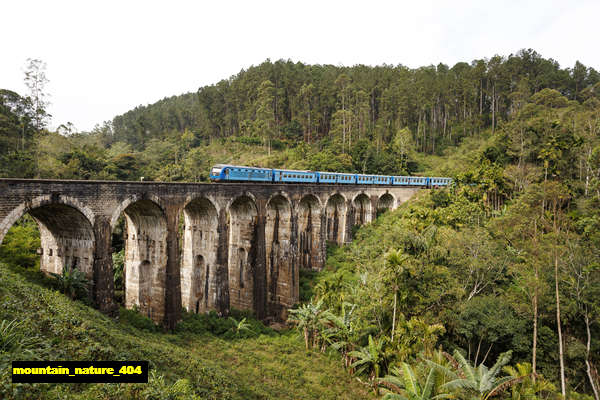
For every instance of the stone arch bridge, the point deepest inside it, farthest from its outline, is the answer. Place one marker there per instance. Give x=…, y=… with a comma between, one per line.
x=200, y=246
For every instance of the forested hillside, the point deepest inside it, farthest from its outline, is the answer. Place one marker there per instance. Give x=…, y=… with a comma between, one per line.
x=361, y=118
x=501, y=270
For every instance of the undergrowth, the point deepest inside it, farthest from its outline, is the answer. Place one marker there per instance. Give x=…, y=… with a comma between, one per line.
x=207, y=357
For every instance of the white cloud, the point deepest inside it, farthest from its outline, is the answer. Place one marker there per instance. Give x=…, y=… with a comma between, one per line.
x=107, y=57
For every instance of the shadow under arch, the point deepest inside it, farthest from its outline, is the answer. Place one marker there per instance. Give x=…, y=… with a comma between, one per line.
x=145, y=263
x=385, y=203
x=41, y=201
x=67, y=236
x=310, y=245
x=335, y=218
x=282, y=271
x=130, y=200
x=200, y=248
x=362, y=209
x=243, y=215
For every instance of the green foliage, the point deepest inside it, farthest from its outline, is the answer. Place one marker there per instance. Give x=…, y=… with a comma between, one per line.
x=239, y=325
x=526, y=386
x=488, y=321
x=20, y=244
x=371, y=360
x=13, y=339
x=118, y=260
x=306, y=284
x=72, y=282
x=410, y=386
x=478, y=382
x=311, y=319
x=183, y=364
x=134, y=318
x=459, y=267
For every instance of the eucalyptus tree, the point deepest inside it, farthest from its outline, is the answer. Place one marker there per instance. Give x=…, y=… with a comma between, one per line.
x=264, y=123
x=583, y=287
x=36, y=81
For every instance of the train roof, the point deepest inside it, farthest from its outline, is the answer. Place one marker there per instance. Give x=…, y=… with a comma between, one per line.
x=335, y=173
x=291, y=170
x=236, y=166
x=375, y=176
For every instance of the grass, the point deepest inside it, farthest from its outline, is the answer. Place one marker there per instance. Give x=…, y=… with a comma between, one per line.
x=183, y=365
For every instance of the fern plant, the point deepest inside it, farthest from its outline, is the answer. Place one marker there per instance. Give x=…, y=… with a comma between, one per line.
x=408, y=386
x=479, y=381
x=72, y=282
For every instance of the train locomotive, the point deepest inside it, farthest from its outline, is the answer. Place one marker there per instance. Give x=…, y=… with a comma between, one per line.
x=239, y=173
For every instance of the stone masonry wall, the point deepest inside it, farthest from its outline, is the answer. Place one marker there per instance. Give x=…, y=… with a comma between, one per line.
x=242, y=245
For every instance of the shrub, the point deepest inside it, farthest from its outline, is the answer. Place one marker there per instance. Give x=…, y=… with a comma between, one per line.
x=137, y=320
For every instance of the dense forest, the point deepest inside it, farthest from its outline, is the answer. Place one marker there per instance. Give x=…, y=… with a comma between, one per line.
x=502, y=270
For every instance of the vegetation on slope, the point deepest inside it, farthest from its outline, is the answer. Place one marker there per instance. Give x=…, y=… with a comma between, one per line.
x=455, y=271
x=194, y=362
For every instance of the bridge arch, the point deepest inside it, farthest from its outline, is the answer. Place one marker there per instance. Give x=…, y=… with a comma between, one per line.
x=145, y=261
x=66, y=232
x=40, y=201
x=310, y=249
x=362, y=209
x=386, y=202
x=243, y=215
x=282, y=272
x=133, y=199
x=235, y=199
x=198, y=263
x=335, y=212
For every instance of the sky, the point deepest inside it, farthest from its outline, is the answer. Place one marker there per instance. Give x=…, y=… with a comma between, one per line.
x=106, y=57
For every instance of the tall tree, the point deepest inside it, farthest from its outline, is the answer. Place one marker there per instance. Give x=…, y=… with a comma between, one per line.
x=265, y=115
x=36, y=81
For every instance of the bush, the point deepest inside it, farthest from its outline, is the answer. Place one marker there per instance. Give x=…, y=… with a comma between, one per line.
x=20, y=244
x=250, y=140
x=137, y=320
x=239, y=325
x=72, y=282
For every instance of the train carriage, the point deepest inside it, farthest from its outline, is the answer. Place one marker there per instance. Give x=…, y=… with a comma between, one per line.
x=418, y=181
x=363, y=179
x=438, y=181
x=336, y=177
x=409, y=181
x=293, y=176
x=222, y=172
x=400, y=180
x=235, y=173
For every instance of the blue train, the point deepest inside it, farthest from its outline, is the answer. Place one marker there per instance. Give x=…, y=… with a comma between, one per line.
x=238, y=173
